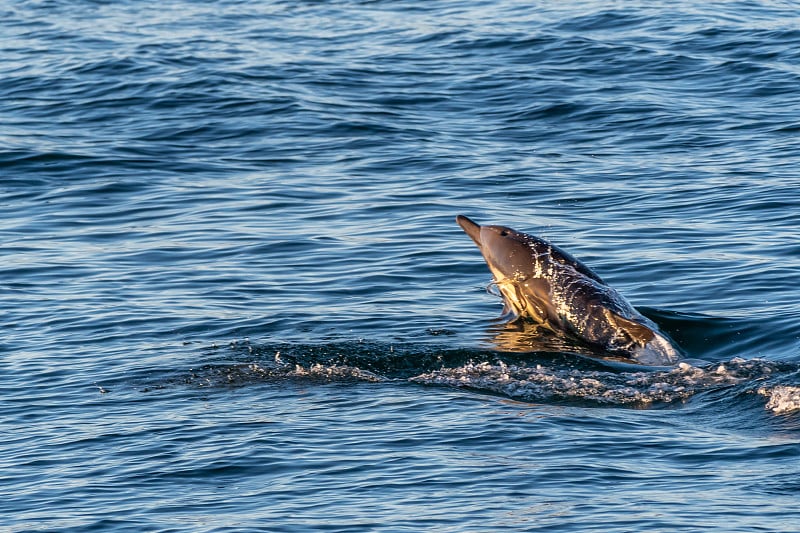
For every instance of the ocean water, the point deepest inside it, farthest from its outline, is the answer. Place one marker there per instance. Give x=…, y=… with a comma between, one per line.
x=234, y=297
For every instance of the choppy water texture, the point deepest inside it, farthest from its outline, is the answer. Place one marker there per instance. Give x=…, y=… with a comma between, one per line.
x=234, y=296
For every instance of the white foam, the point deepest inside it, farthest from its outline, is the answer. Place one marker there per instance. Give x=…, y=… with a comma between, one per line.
x=542, y=383
x=782, y=398
x=539, y=383
x=313, y=372
x=333, y=373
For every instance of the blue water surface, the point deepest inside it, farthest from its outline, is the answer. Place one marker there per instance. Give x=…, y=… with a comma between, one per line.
x=234, y=296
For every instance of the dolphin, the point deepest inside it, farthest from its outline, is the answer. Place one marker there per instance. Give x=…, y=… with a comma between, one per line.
x=543, y=284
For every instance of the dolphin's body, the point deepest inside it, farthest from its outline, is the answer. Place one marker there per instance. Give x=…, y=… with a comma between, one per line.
x=542, y=283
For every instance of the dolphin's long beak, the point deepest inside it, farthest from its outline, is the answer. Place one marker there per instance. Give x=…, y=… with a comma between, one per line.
x=470, y=228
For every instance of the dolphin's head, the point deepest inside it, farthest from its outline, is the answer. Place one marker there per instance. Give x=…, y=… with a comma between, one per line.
x=508, y=253
x=512, y=259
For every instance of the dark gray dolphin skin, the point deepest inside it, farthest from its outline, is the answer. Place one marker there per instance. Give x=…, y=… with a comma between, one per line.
x=543, y=284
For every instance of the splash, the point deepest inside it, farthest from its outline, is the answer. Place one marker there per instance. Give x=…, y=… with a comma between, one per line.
x=238, y=375
x=541, y=383
x=545, y=383
x=783, y=399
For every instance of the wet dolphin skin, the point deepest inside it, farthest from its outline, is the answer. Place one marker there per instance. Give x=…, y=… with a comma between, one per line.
x=545, y=285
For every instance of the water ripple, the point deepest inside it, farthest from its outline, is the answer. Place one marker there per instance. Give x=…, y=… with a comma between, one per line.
x=189, y=191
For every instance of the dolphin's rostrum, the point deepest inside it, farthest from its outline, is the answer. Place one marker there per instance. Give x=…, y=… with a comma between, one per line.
x=541, y=283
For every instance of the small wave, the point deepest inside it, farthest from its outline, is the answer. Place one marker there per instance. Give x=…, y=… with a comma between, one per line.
x=240, y=375
x=541, y=377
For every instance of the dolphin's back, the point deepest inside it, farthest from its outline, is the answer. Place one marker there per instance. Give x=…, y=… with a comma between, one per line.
x=562, y=257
